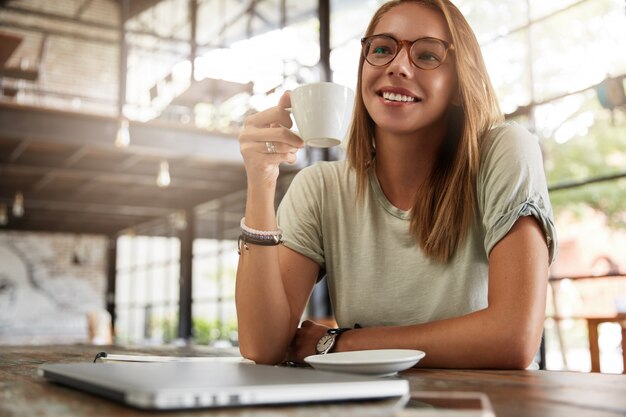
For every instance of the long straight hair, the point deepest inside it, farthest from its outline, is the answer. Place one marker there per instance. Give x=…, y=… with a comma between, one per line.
x=444, y=205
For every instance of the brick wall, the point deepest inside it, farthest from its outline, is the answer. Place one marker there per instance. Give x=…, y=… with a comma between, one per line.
x=48, y=283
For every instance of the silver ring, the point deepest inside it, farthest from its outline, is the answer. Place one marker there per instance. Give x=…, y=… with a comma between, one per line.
x=270, y=147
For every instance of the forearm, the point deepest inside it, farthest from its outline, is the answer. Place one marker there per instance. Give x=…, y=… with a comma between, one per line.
x=263, y=311
x=484, y=339
x=262, y=307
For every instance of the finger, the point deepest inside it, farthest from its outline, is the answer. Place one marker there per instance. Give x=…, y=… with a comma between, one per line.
x=275, y=147
x=307, y=323
x=274, y=115
x=291, y=158
x=271, y=134
x=285, y=100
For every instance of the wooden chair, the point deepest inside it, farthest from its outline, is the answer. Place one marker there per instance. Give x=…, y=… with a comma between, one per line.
x=594, y=349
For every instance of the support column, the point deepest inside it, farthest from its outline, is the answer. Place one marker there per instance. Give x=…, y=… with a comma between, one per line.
x=185, y=325
x=319, y=305
x=123, y=68
x=324, y=17
x=193, y=45
x=111, y=276
x=326, y=73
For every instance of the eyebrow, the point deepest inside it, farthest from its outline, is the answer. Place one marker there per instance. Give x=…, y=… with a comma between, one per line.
x=413, y=40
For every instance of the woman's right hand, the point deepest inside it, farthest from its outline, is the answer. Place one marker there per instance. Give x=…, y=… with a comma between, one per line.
x=265, y=131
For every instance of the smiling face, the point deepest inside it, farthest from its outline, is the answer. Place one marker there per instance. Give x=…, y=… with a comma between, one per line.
x=401, y=98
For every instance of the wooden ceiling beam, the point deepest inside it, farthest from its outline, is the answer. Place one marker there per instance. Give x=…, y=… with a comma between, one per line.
x=154, y=139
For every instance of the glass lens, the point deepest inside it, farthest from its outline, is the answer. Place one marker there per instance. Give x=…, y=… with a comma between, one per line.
x=428, y=53
x=380, y=50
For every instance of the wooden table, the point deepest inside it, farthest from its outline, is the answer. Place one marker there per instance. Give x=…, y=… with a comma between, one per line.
x=513, y=393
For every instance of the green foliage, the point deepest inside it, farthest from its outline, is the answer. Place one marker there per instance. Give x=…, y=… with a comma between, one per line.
x=167, y=327
x=596, y=151
x=206, y=332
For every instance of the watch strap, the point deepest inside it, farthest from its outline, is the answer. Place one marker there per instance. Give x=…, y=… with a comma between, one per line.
x=339, y=330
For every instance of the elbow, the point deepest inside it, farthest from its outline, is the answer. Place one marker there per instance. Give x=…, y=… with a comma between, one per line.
x=520, y=349
x=519, y=358
x=260, y=356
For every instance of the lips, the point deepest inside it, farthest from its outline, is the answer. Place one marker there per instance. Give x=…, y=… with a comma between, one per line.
x=397, y=95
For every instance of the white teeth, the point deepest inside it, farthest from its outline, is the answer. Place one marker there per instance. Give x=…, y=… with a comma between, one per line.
x=397, y=97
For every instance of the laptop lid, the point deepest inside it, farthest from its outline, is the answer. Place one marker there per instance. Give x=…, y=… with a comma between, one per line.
x=183, y=385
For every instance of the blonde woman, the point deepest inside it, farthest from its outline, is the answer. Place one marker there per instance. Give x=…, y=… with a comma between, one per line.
x=436, y=234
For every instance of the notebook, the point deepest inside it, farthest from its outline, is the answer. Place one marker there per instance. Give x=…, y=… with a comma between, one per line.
x=187, y=385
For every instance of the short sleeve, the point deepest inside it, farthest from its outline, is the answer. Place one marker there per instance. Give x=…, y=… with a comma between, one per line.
x=299, y=215
x=512, y=184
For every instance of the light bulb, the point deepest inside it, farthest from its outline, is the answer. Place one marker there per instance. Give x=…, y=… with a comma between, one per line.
x=18, y=205
x=122, y=140
x=4, y=216
x=163, y=179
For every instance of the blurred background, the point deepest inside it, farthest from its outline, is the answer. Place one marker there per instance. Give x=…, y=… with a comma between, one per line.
x=122, y=186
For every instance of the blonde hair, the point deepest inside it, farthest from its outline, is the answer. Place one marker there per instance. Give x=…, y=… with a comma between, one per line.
x=444, y=206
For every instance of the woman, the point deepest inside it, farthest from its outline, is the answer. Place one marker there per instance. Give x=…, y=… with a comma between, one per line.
x=436, y=233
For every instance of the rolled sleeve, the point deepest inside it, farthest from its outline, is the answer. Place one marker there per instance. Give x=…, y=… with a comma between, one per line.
x=512, y=184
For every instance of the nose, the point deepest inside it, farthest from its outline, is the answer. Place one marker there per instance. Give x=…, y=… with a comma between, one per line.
x=401, y=65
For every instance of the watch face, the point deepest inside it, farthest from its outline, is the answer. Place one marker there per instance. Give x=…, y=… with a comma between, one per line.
x=325, y=343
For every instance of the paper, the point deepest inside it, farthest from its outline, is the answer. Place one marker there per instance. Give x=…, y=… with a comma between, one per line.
x=111, y=357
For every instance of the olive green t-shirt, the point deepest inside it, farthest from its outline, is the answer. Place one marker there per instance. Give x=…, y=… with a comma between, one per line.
x=377, y=274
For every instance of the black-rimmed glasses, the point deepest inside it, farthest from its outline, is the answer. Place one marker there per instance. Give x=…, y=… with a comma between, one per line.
x=425, y=53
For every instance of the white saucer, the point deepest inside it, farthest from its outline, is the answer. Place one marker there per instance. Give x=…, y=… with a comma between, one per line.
x=380, y=362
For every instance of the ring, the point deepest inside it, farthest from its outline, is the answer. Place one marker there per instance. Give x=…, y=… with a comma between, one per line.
x=270, y=147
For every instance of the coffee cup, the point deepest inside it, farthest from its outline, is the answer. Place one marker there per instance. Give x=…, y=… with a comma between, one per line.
x=323, y=113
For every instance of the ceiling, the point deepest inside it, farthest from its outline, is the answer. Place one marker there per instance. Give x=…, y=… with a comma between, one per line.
x=75, y=180
x=65, y=163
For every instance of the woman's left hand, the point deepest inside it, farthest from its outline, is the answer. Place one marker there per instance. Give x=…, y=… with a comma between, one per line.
x=305, y=340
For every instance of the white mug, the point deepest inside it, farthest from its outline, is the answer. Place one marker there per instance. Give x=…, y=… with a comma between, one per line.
x=323, y=113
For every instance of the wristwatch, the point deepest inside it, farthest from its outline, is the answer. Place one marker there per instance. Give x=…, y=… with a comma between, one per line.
x=326, y=342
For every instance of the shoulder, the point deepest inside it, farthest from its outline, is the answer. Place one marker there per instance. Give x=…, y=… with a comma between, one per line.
x=508, y=140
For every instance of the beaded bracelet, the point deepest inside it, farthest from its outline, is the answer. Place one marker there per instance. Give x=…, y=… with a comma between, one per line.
x=260, y=234
x=257, y=237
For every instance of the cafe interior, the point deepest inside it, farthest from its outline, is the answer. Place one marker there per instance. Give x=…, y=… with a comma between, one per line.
x=122, y=186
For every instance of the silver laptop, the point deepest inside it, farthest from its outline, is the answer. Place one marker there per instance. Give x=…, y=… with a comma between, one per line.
x=184, y=385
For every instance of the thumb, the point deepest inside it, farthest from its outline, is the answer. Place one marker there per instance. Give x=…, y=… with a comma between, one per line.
x=285, y=100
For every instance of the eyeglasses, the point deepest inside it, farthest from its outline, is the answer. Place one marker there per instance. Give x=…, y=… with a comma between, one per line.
x=425, y=53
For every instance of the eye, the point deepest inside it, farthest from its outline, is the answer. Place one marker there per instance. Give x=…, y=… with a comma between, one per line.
x=428, y=56
x=380, y=49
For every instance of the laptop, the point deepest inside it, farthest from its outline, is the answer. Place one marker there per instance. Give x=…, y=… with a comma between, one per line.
x=187, y=385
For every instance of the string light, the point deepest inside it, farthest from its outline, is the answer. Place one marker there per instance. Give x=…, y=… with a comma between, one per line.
x=163, y=179
x=122, y=139
x=18, y=205
x=4, y=215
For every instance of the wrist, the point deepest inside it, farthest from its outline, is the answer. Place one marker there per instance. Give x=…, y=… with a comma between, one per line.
x=328, y=342
x=255, y=182
x=345, y=342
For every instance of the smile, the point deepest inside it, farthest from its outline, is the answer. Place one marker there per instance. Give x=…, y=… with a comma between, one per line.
x=397, y=97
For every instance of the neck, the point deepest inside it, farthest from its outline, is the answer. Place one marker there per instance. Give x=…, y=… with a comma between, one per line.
x=404, y=163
